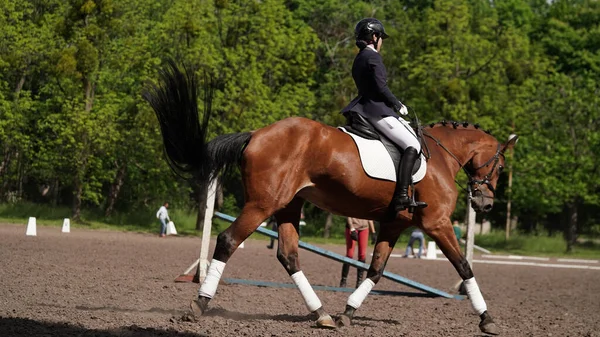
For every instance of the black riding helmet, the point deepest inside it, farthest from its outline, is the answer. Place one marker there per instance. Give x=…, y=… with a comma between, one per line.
x=365, y=29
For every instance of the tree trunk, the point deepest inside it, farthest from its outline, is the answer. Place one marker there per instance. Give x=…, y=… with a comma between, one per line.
x=55, y=191
x=115, y=188
x=571, y=231
x=80, y=171
x=19, y=86
x=8, y=152
x=202, y=194
x=5, y=161
x=89, y=94
x=77, y=192
x=328, y=223
x=20, y=175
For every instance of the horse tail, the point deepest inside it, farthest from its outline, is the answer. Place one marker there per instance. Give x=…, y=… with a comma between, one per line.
x=226, y=150
x=175, y=102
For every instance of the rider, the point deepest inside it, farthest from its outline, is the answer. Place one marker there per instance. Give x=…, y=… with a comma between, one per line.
x=379, y=106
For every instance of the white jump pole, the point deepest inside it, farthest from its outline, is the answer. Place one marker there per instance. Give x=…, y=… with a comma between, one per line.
x=470, y=242
x=187, y=271
x=210, y=208
x=470, y=231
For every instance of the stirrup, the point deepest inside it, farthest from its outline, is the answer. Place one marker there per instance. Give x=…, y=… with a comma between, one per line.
x=417, y=204
x=411, y=205
x=414, y=203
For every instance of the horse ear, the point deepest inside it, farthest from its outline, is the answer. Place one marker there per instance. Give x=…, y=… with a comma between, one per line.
x=512, y=140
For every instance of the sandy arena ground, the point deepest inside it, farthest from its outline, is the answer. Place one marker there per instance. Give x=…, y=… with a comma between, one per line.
x=101, y=283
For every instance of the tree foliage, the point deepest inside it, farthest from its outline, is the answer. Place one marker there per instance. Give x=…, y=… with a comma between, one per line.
x=74, y=130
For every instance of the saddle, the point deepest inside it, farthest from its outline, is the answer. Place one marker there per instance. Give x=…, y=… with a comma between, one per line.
x=357, y=125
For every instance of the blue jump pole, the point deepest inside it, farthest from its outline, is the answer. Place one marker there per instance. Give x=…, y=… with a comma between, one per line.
x=352, y=262
x=323, y=288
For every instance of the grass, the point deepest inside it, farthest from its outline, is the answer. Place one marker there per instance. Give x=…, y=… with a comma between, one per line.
x=185, y=222
x=141, y=221
x=530, y=245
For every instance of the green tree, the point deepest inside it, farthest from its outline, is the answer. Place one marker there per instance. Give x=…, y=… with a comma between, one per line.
x=26, y=42
x=260, y=55
x=561, y=162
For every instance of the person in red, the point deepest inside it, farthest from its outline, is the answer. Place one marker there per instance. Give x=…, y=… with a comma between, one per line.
x=357, y=230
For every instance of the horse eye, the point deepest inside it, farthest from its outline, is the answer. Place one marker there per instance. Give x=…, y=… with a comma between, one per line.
x=500, y=169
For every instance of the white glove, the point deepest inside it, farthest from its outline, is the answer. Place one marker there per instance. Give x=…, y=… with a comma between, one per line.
x=403, y=110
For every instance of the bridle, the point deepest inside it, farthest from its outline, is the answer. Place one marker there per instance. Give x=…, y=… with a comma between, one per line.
x=473, y=184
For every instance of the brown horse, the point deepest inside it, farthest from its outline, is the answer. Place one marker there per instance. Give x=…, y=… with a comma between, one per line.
x=296, y=160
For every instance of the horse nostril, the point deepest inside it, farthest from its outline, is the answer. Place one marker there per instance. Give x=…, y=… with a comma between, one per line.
x=487, y=208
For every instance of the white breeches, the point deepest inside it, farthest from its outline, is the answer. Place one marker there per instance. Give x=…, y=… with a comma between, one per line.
x=397, y=130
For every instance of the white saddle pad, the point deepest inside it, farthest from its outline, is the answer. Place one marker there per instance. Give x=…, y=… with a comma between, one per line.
x=377, y=162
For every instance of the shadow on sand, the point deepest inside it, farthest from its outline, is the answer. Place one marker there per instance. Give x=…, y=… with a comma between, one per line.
x=240, y=316
x=24, y=327
x=219, y=312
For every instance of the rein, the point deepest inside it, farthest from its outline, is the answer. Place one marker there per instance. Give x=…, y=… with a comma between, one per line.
x=473, y=184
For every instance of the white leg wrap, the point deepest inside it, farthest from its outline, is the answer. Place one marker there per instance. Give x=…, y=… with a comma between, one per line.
x=310, y=297
x=213, y=276
x=359, y=295
x=475, y=296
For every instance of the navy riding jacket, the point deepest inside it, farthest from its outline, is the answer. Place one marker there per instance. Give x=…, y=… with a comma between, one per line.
x=374, y=97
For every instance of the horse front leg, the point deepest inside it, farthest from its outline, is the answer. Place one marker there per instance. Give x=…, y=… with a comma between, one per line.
x=443, y=235
x=388, y=235
x=287, y=253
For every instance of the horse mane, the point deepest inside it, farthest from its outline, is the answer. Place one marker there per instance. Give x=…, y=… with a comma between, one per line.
x=456, y=124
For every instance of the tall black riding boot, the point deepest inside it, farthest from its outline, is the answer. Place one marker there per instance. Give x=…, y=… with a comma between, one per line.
x=401, y=200
x=360, y=274
x=345, y=269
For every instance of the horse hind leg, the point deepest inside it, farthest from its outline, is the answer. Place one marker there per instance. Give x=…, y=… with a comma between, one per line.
x=288, y=220
x=386, y=239
x=227, y=242
x=446, y=240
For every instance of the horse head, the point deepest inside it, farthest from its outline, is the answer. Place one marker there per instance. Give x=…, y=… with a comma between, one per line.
x=478, y=153
x=484, y=169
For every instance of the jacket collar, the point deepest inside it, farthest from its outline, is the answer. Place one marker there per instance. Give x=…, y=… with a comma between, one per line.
x=372, y=48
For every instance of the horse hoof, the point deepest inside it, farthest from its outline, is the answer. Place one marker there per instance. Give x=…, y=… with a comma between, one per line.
x=487, y=325
x=343, y=321
x=188, y=317
x=326, y=322
x=489, y=328
x=197, y=309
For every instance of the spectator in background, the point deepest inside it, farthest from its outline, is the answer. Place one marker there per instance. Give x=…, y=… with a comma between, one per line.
x=416, y=234
x=374, y=233
x=163, y=216
x=302, y=222
x=457, y=230
x=356, y=230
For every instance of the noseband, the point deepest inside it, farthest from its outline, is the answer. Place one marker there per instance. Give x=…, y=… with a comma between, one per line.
x=474, y=184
